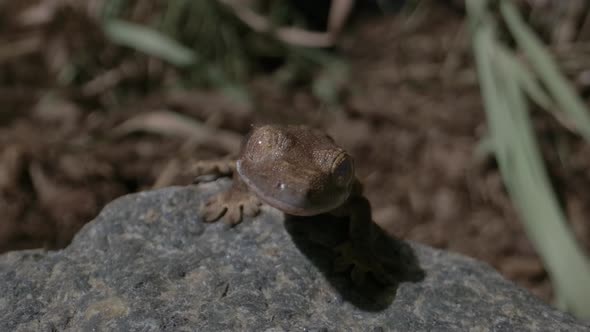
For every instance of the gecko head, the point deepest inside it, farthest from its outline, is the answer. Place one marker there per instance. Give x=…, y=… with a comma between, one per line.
x=297, y=169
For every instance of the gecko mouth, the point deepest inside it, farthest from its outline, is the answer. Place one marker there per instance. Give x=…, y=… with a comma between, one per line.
x=303, y=210
x=296, y=202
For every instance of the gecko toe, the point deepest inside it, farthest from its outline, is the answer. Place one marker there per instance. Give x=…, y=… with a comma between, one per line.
x=232, y=205
x=242, y=205
x=210, y=170
x=358, y=275
x=224, y=168
x=213, y=210
x=251, y=208
x=361, y=264
x=234, y=215
x=213, y=214
x=344, y=259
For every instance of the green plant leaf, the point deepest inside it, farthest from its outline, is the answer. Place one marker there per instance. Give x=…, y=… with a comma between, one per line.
x=526, y=78
x=560, y=89
x=148, y=41
x=521, y=164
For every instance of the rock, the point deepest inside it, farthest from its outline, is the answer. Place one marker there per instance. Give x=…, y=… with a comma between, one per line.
x=147, y=263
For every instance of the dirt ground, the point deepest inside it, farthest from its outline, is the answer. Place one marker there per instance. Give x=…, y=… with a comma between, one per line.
x=411, y=117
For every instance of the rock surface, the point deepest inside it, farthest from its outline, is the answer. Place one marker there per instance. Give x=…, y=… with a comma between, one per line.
x=147, y=263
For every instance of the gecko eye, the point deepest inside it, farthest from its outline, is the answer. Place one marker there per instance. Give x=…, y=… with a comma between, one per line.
x=343, y=170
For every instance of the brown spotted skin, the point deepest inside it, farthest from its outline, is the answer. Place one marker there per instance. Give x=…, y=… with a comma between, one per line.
x=296, y=169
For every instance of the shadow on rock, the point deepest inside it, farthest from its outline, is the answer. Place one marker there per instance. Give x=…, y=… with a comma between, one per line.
x=316, y=237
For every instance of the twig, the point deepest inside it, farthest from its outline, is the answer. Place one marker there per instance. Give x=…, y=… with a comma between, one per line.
x=169, y=123
x=339, y=12
x=110, y=79
x=19, y=48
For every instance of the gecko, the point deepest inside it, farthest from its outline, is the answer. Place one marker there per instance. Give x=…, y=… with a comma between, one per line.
x=300, y=171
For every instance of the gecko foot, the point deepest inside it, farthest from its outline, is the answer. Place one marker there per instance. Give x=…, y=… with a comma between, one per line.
x=361, y=264
x=212, y=169
x=232, y=204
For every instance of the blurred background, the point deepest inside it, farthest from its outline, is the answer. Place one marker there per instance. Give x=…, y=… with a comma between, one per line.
x=468, y=119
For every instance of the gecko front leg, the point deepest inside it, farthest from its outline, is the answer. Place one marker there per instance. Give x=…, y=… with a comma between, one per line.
x=357, y=252
x=235, y=203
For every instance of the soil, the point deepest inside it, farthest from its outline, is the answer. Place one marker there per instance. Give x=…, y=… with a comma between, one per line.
x=411, y=116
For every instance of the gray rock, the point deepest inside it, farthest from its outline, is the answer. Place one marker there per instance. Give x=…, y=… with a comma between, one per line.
x=147, y=263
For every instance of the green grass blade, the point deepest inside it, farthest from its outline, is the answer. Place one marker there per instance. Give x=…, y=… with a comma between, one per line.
x=525, y=77
x=482, y=37
x=112, y=8
x=543, y=217
x=558, y=86
x=148, y=41
x=522, y=167
x=477, y=10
